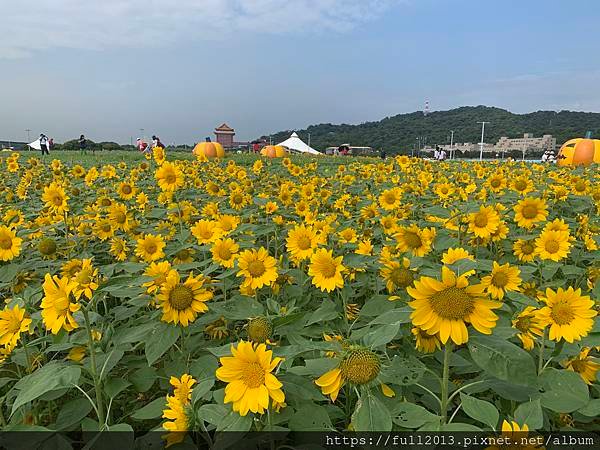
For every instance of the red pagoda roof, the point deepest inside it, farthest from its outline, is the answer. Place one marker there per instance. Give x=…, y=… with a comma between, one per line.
x=224, y=127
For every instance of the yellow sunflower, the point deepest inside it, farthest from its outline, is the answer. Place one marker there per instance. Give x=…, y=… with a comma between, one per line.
x=224, y=252
x=326, y=270
x=182, y=301
x=250, y=383
x=119, y=249
x=529, y=326
x=178, y=410
x=446, y=306
x=126, y=190
x=390, y=199
x=504, y=278
x=150, y=247
x=13, y=322
x=364, y=248
x=57, y=308
x=415, y=240
x=358, y=367
x=553, y=245
x=301, y=242
x=10, y=244
x=169, y=177
x=397, y=275
x=529, y=211
x=258, y=268
x=227, y=223
x=158, y=271
x=425, y=342
x=206, y=231
x=453, y=255
x=118, y=216
x=569, y=314
x=87, y=280
x=55, y=198
x=524, y=250
x=584, y=365
x=485, y=222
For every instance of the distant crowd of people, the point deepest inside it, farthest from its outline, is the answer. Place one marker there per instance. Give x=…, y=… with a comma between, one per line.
x=143, y=146
x=47, y=143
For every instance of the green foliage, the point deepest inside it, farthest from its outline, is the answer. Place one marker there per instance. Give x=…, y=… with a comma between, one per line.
x=397, y=134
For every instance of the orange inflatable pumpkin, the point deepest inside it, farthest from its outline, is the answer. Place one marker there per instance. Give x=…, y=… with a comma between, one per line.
x=273, y=151
x=577, y=152
x=209, y=149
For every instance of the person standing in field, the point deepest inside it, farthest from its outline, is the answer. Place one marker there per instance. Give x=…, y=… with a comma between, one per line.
x=44, y=144
x=156, y=142
x=82, y=144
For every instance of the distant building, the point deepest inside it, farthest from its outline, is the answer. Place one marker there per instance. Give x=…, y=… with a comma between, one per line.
x=527, y=142
x=225, y=135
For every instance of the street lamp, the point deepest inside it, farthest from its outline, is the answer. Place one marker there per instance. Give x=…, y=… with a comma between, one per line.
x=481, y=143
x=451, y=144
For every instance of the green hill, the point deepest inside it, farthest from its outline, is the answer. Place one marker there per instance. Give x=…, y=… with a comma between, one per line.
x=398, y=134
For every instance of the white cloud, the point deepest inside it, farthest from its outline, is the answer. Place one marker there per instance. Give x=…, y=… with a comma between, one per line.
x=32, y=25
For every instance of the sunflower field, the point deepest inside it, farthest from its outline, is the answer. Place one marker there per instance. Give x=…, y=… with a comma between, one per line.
x=302, y=294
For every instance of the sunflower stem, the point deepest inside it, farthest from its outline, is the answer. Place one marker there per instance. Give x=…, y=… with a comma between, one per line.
x=27, y=356
x=93, y=368
x=541, y=354
x=445, y=379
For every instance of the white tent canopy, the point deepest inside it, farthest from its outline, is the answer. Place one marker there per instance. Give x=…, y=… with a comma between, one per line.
x=294, y=143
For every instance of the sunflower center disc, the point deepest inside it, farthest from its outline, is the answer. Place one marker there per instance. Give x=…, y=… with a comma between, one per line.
x=452, y=303
x=390, y=198
x=500, y=279
x=402, y=277
x=253, y=375
x=5, y=243
x=360, y=367
x=562, y=313
x=171, y=178
x=224, y=253
x=529, y=211
x=527, y=249
x=328, y=269
x=151, y=248
x=413, y=240
x=120, y=217
x=57, y=200
x=127, y=189
x=523, y=324
x=481, y=220
x=552, y=246
x=181, y=297
x=303, y=242
x=256, y=268
x=520, y=185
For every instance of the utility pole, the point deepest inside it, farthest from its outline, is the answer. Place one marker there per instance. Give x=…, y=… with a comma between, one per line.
x=28, y=137
x=309, y=139
x=451, y=144
x=481, y=143
x=142, y=133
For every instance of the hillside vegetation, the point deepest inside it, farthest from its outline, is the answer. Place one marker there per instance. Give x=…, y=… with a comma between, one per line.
x=398, y=134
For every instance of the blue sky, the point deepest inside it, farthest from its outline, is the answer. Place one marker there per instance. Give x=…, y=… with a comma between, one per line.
x=178, y=69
